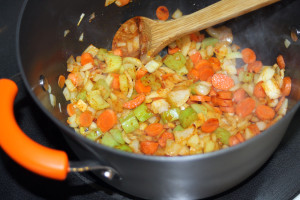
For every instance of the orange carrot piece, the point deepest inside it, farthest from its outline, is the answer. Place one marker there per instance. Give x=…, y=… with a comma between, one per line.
x=86, y=58
x=259, y=91
x=148, y=147
x=212, y=92
x=233, y=140
x=224, y=102
x=118, y=52
x=255, y=66
x=162, y=13
x=239, y=95
x=280, y=62
x=240, y=137
x=218, y=110
x=196, y=57
x=222, y=82
x=174, y=50
x=205, y=73
x=76, y=78
x=154, y=129
x=264, y=112
x=286, y=86
x=164, y=137
x=166, y=76
x=140, y=88
x=71, y=109
x=245, y=107
x=279, y=104
x=193, y=74
x=201, y=98
x=197, y=38
x=210, y=125
x=141, y=72
x=203, y=64
x=107, y=120
x=61, y=81
x=116, y=82
x=86, y=118
x=227, y=109
x=254, y=129
x=215, y=62
x=135, y=102
x=225, y=95
x=248, y=55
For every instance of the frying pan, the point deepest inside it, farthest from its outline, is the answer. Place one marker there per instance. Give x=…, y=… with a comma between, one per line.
x=42, y=52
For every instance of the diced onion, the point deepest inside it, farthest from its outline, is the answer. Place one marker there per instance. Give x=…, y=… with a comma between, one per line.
x=52, y=100
x=177, y=14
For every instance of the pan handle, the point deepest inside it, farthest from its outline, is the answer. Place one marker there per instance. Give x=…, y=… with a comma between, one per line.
x=26, y=152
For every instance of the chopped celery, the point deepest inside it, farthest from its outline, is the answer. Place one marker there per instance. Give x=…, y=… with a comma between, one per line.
x=129, y=123
x=182, y=71
x=124, y=147
x=93, y=135
x=81, y=95
x=82, y=130
x=248, y=77
x=152, y=66
x=200, y=88
x=96, y=101
x=170, y=115
x=209, y=42
x=199, y=108
x=102, y=86
x=150, y=80
x=175, y=61
x=109, y=140
x=101, y=53
x=223, y=135
x=187, y=117
x=113, y=62
x=178, y=128
x=117, y=135
x=123, y=83
x=142, y=113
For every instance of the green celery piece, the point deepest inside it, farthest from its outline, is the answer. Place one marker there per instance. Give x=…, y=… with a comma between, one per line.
x=178, y=128
x=113, y=63
x=223, y=135
x=101, y=53
x=142, y=112
x=129, y=123
x=96, y=101
x=117, y=135
x=209, y=42
x=92, y=135
x=82, y=95
x=103, y=87
x=170, y=115
x=248, y=77
x=175, y=61
x=150, y=80
x=187, y=117
x=124, y=147
x=182, y=71
x=109, y=140
x=199, y=108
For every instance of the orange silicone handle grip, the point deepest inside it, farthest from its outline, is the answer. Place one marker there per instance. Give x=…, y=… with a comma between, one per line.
x=26, y=152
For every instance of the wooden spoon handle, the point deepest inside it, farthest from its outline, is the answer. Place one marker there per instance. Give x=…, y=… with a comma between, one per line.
x=204, y=18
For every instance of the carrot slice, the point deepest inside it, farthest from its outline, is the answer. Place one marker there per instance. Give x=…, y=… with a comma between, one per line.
x=227, y=109
x=286, y=86
x=254, y=129
x=174, y=50
x=86, y=58
x=203, y=64
x=205, y=73
x=193, y=74
x=279, y=104
x=255, y=66
x=148, y=147
x=116, y=82
x=86, y=118
x=141, y=72
x=201, y=98
x=233, y=140
x=212, y=92
x=280, y=62
x=222, y=82
x=140, y=88
x=162, y=13
x=118, y=52
x=215, y=62
x=71, y=109
x=210, y=125
x=135, y=102
x=248, y=55
x=259, y=91
x=61, y=81
x=245, y=107
x=107, y=120
x=224, y=102
x=196, y=57
x=264, y=112
x=164, y=137
x=240, y=137
x=239, y=95
x=154, y=129
x=75, y=78
x=225, y=95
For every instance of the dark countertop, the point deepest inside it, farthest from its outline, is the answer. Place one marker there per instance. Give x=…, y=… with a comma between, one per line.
x=279, y=177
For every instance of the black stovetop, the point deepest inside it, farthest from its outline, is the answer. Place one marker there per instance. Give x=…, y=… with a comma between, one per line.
x=279, y=178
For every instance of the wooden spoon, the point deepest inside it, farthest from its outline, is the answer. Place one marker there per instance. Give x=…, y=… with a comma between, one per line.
x=143, y=37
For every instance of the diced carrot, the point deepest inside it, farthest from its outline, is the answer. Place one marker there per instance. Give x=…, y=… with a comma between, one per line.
x=245, y=107
x=141, y=72
x=212, y=92
x=227, y=109
x=166, y=76
x=218, y=110
x=71, y=109
x=248, y=55
x=286, y=86
x=107, y=120
x=193, y=74
x=222, y=82
x=205, y=73
x=279, y=104
x=264, y=112
x=162, y=13
x=197, y=38
x=118, y=52
x=201, y=98
x=254, y=129
x=164, y=137
x=224, y=102
x=233, y=140
x=225, y=95
x=174, y=50
x=216, y=65
x=115, y=83
x=135, y=102
x=255, y=66
x=259, y=91
x=196, y=57
x=61, y=81
x=240, y=137
x=86, y=118
x=239, y=95
x=140, y=88
x=76, y=78
x=280, y=62
x=148, y=147
x=210, y=125
x=154, y=129
x=86, y=58
x=203, y=64
x=121, y=3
